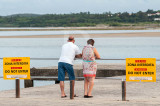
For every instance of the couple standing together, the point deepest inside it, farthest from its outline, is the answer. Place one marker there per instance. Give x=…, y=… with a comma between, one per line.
x=65, y=64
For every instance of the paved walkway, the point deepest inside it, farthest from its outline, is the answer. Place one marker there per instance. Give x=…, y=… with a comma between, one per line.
x=105, y=92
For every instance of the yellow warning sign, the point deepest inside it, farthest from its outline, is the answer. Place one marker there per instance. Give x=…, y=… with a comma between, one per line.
x=141, y=69
x=16, y=67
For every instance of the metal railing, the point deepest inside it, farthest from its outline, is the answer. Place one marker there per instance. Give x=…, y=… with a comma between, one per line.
x=17, y=81
x=75, y=59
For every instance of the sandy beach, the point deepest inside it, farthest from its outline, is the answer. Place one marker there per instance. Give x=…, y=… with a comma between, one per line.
x=134, y=34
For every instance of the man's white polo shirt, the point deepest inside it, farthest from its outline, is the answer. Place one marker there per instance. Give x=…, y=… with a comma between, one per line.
x=69, y=50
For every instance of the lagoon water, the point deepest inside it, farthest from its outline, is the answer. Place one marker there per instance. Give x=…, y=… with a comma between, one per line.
x=109, y=48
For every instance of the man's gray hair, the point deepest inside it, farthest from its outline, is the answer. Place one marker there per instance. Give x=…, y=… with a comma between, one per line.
x=70, y=38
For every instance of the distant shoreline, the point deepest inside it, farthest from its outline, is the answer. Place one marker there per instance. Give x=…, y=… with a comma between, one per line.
x=134, y=34
x=79, y=28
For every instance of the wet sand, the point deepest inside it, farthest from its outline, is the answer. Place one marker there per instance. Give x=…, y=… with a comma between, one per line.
x=134, y=34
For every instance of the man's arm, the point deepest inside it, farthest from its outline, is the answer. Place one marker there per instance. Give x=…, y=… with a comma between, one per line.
x=78, y=56
x=78, y=53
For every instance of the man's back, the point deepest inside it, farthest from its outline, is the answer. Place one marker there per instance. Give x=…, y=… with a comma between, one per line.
x=69, y=50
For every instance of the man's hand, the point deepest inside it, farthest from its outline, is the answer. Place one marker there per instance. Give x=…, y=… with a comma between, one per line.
x=78, y=56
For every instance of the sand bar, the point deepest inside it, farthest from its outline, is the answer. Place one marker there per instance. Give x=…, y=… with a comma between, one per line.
x=135, y=34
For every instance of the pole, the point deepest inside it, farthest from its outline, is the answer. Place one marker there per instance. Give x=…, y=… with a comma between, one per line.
x=71, y=89
x=123, y=90
x=17, y=88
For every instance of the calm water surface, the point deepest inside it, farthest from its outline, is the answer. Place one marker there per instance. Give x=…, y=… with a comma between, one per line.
x=109, y=48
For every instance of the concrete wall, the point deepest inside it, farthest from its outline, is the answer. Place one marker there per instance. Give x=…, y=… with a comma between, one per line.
x=78, y=72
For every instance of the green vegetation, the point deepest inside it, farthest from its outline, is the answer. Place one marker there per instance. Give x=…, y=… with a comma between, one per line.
x=79, y=19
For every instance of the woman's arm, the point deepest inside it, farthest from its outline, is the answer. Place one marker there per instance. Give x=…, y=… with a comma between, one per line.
x=96, y=53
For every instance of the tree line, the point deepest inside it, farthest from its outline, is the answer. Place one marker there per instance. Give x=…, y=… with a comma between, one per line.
x=77, y=19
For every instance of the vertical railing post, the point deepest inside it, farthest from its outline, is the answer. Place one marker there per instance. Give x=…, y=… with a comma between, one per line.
x=71, y=89
x=17, y=88
x=123, y=90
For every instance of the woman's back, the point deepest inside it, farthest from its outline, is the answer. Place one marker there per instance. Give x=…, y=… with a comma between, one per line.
x=88, y=53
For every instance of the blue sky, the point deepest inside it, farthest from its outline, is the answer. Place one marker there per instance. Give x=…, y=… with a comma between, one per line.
x=8, y=7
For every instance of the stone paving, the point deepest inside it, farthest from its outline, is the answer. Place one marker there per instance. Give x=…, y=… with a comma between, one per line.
x=106, y=92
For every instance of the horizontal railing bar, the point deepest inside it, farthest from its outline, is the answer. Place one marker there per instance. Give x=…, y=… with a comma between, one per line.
x=115, y=78
x=75, y=59
x=44, y=58
x=50, y=77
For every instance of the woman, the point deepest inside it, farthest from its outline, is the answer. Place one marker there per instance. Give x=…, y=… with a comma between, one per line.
x=89, y=54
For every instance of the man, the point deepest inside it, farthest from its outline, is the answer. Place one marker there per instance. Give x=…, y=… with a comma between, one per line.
x=65, y=63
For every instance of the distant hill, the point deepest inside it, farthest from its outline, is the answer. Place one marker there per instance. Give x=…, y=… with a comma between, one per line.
x=24, y=15
x=82, y=19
